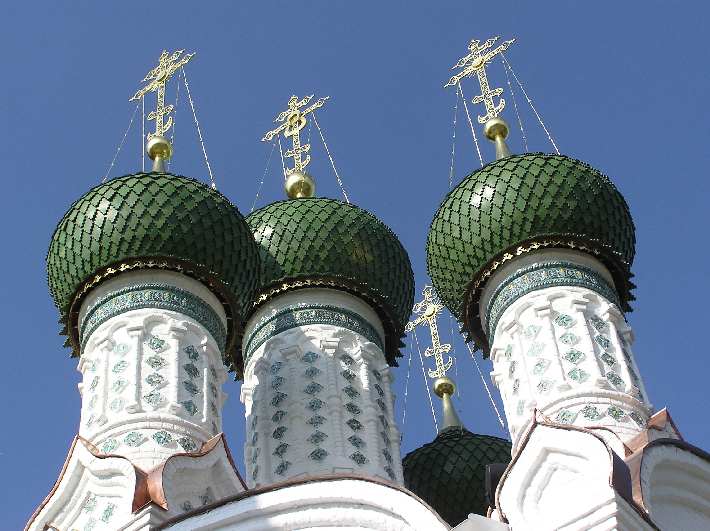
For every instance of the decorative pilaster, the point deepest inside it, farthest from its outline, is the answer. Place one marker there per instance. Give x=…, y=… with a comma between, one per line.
x=558, y=347
x=317, y=390
x=152, y=369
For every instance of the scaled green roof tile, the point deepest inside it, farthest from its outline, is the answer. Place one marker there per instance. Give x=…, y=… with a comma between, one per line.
x=329, y=243
x=449, y=473
x=518, y=202
x=158, y=220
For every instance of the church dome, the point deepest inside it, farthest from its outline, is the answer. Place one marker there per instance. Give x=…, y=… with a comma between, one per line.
x=153, y=220
x=521, y=203
x=319, y=242
x=449, y=473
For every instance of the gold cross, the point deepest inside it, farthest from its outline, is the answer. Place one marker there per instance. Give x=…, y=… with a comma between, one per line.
x=157, y=78
x=294, y=119
x=475, y=62
x=429, y=309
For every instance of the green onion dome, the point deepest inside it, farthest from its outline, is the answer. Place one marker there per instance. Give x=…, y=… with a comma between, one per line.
x=153, y=220
x=449, y=473
x=518, y=204
x=319, y=242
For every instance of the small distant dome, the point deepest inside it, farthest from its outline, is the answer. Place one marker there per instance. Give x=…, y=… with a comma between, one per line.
x=521, y=203
x=153, y=220
x=449, y=473
x=319, y=242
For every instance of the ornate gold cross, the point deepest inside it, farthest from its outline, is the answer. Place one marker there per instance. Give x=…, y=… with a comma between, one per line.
x=429, y=310
x=475, y=62
x=294, y=119
x=157, y=78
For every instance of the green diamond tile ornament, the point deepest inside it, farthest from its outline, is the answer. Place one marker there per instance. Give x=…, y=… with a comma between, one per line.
x=133, y=439
x=351, y=391
x=574, y=356
x=189, y=406
x=535, y=349
x=94, y=383
x=603, y=341
x=109, y=446
x=154, y=398
x=616, y=413
x=187, y=444
x=316, y=420
x=278, y=398
x=313, y=388
x=312, y=372
x=541, y=366
x=615, y=379
x=317, y=437
x=533, y=200
x=155, y=220
x=279, y=432
x=531, y=331
x=116, y=404
x=190, y=387
x=156, y=344
x=277, y=381
x=276, y=367
x=353, y=408
x=282, y=467
x=359, y=458
x=191, y=370
x=563, y=320
x=638, y=419
x=120, y=366
x=356, y=441
x=163, y=438
x=318, y=454
x=280, y=450
x=329, y=243
x=568, y=338
x=578, y=375
x=309, y=357
x=154, y=379
x=278, y=416
x=608, y=359
x=156, y=362
x=192, y=352
x=348, y=375
x=590, y=412
x=354, y=424
x=315, y=404
x=598, y=323
x=565, y=416
x=121, y=349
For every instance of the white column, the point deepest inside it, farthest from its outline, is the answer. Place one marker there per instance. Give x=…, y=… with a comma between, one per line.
x=560, y=344
x=317, y=390
x=152, y=366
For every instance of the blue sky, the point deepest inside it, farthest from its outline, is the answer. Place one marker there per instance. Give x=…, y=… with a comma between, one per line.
x=621, y=85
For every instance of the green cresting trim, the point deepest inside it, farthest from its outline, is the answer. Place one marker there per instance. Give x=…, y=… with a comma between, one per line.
x=307, y=314
x=541, y=276
x=159, y=296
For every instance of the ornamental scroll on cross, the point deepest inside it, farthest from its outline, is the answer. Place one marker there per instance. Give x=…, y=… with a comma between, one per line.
x=156, y=80
x=475, y=63
x=293, y=119
x=429, y=309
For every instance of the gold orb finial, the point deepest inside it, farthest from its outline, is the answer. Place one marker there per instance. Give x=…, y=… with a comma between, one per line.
x=444, y=385
x=299, y=185
x=496, y=130
x=159, y=150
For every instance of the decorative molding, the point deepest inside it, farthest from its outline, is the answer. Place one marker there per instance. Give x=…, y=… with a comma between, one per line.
x=160, y=296
x=541, y=276
x=308, y=314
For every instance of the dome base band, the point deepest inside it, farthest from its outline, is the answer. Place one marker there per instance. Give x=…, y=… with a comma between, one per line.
x=300, y=315
x=541, y=276
x=159, y=296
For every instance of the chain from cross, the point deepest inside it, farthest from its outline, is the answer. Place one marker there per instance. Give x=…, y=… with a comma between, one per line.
x=475, y=62
x=293, y=120
x=429, y=309
x=157, y=78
